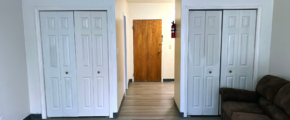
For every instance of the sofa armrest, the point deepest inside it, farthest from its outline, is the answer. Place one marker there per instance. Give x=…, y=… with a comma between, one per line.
x=230, y=94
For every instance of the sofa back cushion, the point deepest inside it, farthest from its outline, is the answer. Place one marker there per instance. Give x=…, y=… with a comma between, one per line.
x=269, y=85
x=272, y=110
x=283, y=98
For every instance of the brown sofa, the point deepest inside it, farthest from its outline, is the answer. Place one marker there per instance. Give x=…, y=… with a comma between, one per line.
x=270, y=101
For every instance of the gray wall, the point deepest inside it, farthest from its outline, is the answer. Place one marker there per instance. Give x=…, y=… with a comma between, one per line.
x=14, y=98
x=280, y=44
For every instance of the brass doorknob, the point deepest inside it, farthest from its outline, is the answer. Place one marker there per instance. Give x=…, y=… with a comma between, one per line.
x=230, y=71
x=98, y=72
x=209, y=72
x=159, y=51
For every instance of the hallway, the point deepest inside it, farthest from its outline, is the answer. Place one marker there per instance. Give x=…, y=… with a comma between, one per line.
x=149, y=100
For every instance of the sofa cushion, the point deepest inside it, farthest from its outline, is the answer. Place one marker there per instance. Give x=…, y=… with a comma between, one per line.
x=274, y=111
x=269, y=85
x=231, y=94
x=224, y=116
x=232, y=106
x=283, y=98
x=248, y=116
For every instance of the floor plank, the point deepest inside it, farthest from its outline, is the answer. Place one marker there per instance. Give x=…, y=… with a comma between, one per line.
x=148, y=101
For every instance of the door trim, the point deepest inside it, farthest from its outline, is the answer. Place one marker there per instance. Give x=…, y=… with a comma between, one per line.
x=161, y=50
x=112, y=53
x=125, y=51
x=184, y=46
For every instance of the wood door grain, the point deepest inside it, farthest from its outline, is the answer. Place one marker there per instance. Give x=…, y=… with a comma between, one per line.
x=154, y=56
x=140, y=51
x=147, y=58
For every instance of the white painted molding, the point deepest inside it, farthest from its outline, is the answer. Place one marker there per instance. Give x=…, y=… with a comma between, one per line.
x=184, y=46
x=125, y=52
x=112, y=54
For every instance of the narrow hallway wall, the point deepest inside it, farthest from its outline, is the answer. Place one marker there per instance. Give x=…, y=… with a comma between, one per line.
x=121, y=8
x=177, y=53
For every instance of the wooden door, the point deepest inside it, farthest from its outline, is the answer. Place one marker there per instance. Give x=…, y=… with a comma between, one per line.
x=147, y=50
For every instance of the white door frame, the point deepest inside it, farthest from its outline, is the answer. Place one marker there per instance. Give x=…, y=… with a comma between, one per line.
x=112, y=53
x=125, y=51
x=184, y=47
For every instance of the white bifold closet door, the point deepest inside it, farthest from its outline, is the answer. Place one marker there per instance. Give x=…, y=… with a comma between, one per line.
x=58, y=44
x=91, y=31
x=204, y=50
x=238, y=49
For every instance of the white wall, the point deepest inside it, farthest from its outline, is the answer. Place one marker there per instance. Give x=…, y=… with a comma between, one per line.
x=33, y=45
x=164, y=11
x=264, y=35
x=177, y=53
x=121, y=7
x=14, y=99
x=280, y=50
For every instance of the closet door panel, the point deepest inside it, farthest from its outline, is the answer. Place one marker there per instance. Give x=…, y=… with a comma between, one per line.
x=67, y=63
x=92, y=57
x=238, y=49
x=84, y=55
x=229, y=48
x=246, y=49
x=196, y=62
x=59, y=63
x=50, y=46
x=212, y=62
x=100, y=63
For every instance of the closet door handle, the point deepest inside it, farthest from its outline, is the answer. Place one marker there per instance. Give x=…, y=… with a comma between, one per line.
x=66, y=72
x=230, y=71
x=98, y=72
x=209, y=72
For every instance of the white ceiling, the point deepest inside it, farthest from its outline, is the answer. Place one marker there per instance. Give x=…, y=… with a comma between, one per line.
x=151, y=1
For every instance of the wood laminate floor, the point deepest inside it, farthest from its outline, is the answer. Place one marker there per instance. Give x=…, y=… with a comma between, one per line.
x=151, y=101
x=148, y=101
